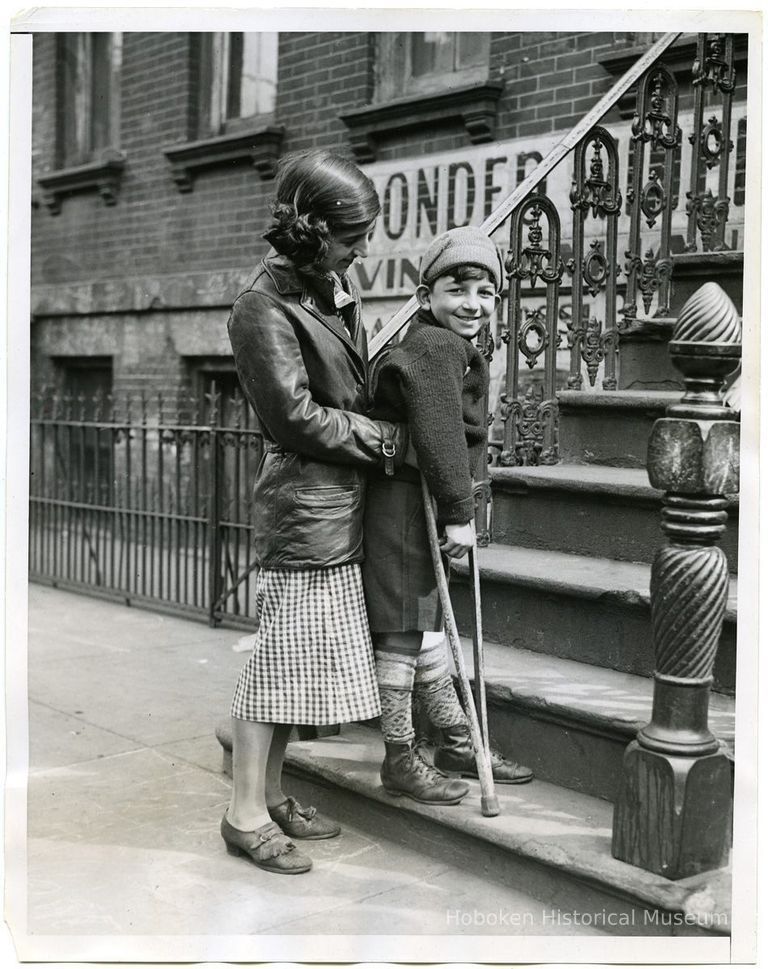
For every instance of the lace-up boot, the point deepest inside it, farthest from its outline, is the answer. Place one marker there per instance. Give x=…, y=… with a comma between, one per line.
x=456, y=756
x=405, y=773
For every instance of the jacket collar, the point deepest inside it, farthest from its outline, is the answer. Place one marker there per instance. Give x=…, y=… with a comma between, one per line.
x=283, y=274
x=289, y=281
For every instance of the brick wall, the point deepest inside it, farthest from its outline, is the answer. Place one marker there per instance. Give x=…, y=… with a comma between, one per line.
x=154, y=228
x=156, y=235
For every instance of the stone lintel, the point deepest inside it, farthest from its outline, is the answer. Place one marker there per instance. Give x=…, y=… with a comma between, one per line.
x=192, y=290
x=261, y=146
x=102, y=175
x=475, y=105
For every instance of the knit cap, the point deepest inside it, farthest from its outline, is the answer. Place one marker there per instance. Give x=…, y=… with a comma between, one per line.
x=464, y=246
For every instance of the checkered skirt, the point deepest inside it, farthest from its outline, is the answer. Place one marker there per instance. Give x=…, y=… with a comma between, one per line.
x=312, y=660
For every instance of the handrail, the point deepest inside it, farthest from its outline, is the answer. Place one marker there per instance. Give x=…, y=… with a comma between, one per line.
x=553, y=158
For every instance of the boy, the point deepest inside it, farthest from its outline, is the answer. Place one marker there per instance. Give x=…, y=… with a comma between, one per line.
x=435, y=380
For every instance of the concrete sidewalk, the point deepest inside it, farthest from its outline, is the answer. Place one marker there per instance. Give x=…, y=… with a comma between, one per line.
x=126, y=791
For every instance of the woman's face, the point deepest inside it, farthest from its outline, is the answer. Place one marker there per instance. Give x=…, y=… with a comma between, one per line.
x=346, y=246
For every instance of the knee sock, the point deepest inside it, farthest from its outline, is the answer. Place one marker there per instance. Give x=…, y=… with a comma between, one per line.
x=395, y=668
x=434, y=687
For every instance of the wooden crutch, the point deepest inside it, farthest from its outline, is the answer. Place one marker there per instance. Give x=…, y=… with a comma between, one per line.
x=489, y=802
x=478, y=652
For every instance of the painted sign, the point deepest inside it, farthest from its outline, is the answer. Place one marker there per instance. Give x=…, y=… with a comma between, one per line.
x=422, y=197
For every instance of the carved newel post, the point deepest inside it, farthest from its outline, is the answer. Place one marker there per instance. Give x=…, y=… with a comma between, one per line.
x=673, y=811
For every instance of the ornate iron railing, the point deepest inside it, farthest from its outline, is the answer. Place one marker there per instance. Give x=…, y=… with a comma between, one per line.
x=146, y=500
x=589, y=263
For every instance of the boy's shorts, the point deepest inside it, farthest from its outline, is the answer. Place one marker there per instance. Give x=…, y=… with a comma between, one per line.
x=398, y=577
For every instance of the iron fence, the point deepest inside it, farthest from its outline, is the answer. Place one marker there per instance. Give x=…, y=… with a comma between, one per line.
x=146, y=499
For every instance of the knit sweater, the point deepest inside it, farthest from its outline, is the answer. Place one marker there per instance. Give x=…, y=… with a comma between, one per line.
x=436, y=381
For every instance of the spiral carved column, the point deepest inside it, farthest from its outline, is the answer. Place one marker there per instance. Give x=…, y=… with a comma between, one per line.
x=673, y=811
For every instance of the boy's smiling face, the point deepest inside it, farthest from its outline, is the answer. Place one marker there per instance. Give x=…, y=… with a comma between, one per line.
x=461, y=305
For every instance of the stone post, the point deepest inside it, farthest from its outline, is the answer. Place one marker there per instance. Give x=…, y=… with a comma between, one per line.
x=672, y=814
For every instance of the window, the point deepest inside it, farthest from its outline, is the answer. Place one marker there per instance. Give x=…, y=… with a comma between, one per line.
x=420, y=63
x=238, y=80
x=88, y=96
x=440, y=53
x=427, y=81
x=87, y=382
x=205, y=372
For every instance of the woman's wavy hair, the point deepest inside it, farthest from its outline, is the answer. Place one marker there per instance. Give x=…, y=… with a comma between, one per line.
x=319, y=193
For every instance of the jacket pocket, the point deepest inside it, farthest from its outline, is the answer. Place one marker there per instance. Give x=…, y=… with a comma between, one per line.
x=328, y=501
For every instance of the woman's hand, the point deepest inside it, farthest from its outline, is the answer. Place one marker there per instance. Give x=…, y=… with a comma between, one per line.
x=458, y=539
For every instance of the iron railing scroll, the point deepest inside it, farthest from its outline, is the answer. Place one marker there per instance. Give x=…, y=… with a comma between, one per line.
x=714, y=79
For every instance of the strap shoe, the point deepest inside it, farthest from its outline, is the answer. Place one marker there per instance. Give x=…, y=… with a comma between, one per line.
x=298, y=822
x=267, y=847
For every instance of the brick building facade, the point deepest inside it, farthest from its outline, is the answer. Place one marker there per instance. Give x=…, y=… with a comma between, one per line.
x=140, y=247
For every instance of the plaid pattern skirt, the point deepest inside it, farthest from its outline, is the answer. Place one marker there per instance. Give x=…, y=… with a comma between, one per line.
x=312, y=660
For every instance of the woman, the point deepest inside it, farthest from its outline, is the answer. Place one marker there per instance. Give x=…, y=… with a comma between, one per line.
x=301, y=355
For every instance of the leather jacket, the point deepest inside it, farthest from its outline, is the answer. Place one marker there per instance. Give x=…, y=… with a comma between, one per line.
x=306, y=377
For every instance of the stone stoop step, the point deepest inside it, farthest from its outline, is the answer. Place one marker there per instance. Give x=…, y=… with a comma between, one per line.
x=592, y=610
x=587, y=509
x=554, y=841
x=570, y=722
x=609, y=427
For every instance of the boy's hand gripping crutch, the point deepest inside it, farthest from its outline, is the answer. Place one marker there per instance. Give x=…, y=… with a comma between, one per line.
x=489, y=802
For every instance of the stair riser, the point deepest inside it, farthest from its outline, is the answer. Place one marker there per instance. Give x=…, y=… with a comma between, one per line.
x=611, y=634
x=586, y=523
x=557, y=888
x=608, y=435
x=568, y=754
x=646, y=365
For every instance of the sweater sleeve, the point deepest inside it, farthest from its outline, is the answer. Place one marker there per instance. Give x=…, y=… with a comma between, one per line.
x=431, y=386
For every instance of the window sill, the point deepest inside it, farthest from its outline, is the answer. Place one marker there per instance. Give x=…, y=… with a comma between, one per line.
x=103, y=175
x=475, y=105
x=261, y=146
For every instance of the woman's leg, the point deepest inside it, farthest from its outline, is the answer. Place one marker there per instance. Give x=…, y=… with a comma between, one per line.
x=274, y=775
x=295, y=820
x=251, y=743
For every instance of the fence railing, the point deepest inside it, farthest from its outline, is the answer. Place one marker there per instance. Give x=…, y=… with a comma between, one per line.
x=146, y=500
